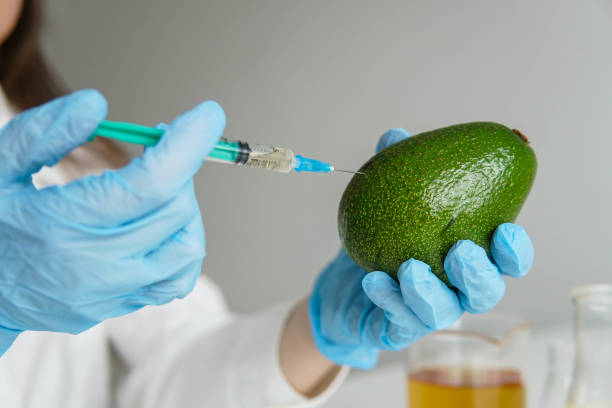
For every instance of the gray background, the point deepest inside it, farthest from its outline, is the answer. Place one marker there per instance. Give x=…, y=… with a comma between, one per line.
x=326, y=78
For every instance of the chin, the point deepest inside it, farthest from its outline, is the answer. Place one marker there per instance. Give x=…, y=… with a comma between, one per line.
x=11, y=10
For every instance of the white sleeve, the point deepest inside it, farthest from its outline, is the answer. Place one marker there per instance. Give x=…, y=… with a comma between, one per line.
x=194, y=353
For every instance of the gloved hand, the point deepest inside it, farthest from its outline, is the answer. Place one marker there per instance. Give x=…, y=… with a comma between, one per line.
x=355, y=314
x=100, y=246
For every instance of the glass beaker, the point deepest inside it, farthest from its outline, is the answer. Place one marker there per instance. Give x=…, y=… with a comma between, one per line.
x=558, y=374
x=591, y=384
x=476, y=363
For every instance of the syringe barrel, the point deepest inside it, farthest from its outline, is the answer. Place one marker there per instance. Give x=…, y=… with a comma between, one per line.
x=259, y=156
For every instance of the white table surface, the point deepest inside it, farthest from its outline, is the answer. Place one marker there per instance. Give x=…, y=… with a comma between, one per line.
x=384, y=386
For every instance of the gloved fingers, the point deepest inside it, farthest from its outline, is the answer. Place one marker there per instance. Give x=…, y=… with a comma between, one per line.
x=393, y=325
x=163, y=169
x=43, y=135
x=151, y=232
x=380, y=332
x=427, y=296
x=149, y=182
x=175, y=287
x=361, y=358
x=479, y=282
x=79, y=221
x=96, y=312
x=181, y=258
x=118, y=274
x=512, y=250
x=162, y=275
x=64, y=314
x=391, y=137
x=385, y=293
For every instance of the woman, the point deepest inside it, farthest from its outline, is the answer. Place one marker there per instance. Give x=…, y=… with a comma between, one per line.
x=95, y=239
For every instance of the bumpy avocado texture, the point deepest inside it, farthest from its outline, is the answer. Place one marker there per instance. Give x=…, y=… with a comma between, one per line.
x=420, y=196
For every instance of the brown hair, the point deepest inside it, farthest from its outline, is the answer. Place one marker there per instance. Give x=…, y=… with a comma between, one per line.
x=28, y=81
x=24, y=73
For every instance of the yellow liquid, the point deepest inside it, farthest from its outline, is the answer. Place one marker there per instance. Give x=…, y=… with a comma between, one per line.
x=465, y=388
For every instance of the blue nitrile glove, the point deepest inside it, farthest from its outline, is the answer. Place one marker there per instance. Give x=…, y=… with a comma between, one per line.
x=100, y=246
x=355, y=314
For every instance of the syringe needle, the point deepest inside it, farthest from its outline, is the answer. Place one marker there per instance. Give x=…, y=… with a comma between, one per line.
x=349, y=171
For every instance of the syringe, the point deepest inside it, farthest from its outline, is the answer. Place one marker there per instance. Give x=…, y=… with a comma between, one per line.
x=226, y=151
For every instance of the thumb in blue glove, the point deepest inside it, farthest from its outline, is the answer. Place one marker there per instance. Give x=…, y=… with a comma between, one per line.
x=101, y=246
x=355, y=314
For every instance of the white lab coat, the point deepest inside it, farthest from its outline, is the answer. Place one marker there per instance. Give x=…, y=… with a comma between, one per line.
x=189, y=353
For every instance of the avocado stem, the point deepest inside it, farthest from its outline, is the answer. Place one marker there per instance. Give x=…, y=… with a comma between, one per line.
x=521, y=135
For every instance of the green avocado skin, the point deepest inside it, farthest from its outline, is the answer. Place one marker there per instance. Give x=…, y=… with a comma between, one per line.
x=423, y=194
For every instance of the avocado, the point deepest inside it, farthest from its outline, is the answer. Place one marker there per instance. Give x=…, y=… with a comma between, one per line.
x=418, y=197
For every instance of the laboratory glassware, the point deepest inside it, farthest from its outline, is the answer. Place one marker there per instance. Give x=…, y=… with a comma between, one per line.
x=479, y=362
x=591, y=382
